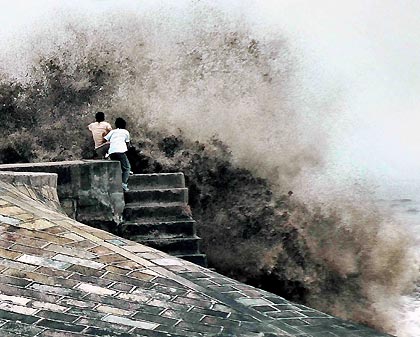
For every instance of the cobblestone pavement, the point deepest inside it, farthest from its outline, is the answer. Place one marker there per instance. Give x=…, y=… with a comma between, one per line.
x=61, y=278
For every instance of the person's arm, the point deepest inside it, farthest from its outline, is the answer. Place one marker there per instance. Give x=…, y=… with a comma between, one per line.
x=128, y=140
x=107, y=137
x=108, y=129
x=105, y=133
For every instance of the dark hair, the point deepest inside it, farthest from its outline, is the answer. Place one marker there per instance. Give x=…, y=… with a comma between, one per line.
x=100, y=116
x=120, y=123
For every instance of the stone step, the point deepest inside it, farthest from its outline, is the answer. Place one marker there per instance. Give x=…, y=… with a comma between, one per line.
x=179, y=228
x=156, y=211
x=156, y=195
x=156, y=181
x=200, y=259
x=171, y=245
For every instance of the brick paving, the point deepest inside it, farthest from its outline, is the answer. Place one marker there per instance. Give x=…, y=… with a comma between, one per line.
x=61, y=278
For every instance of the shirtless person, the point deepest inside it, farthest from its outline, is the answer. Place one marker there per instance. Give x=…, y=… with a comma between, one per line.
x=99, y=130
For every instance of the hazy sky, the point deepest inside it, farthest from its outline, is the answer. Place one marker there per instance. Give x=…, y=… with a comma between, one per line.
x=372, y=50
x=368, y=49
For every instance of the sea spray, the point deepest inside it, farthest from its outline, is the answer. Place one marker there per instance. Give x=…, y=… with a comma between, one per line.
x=205, y=77
x=216, y=80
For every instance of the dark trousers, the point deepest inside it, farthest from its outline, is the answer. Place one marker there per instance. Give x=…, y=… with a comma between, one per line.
x=125, y=164
x=101, y=151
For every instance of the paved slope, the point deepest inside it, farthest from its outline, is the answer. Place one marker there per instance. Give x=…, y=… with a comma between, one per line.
x=61, y=278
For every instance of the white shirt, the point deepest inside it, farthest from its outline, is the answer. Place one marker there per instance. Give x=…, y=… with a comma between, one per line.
x=118, y=139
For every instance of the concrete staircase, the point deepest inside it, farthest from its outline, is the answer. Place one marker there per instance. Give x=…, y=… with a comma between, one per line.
x=157, y=214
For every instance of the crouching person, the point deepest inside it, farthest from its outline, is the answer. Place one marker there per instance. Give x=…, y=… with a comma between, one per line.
x=119, y=139
x=99, y=129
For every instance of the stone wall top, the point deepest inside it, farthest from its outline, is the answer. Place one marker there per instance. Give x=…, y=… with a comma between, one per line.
x=51, y=163
x=89, y=190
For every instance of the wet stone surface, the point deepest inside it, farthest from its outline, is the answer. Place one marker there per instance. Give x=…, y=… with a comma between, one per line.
x=59, y=277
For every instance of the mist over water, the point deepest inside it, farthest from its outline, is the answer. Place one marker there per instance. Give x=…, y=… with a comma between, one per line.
x=202, y=72
x=206, y=71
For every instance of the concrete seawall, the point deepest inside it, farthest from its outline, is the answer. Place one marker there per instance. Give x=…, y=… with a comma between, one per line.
x=89, y=191
x=61, y=278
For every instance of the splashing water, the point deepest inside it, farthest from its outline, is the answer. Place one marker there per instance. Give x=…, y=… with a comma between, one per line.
x=202, y=72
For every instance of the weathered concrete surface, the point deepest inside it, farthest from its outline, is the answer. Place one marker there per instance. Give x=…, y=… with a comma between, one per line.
x=60, y=278
x=157, y=214
x=38, y=186
x=89, y=190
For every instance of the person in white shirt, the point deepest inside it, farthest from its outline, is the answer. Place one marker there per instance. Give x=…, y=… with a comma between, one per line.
x=99, y=130
x=119, y=139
